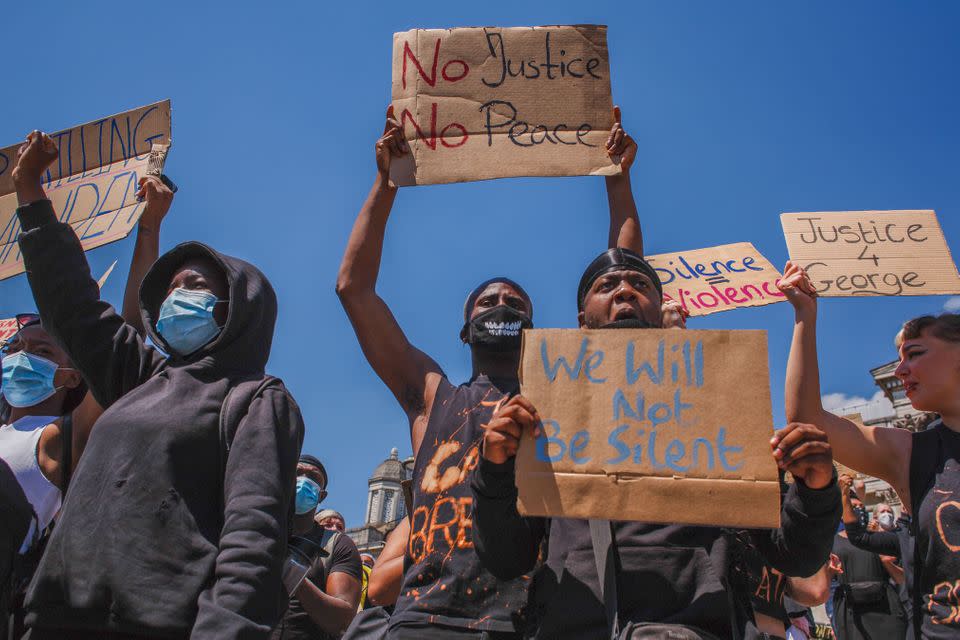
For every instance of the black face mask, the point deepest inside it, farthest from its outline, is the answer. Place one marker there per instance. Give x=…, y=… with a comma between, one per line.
x=628, y=323
x=497, y=329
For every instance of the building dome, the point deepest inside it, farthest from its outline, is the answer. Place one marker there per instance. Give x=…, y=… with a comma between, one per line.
x=390, y=470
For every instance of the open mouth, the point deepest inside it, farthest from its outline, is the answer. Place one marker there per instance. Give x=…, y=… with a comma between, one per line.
x=909, y=387
x=626, y=313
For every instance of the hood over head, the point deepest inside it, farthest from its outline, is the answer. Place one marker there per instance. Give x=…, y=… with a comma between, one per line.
x=243, y=344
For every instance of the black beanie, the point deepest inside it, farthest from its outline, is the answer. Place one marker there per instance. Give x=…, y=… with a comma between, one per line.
x=615, y=260
x=306, y=458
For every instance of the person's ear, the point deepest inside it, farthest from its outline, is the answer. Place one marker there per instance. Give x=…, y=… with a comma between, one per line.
x=465, y=332
x=581, y=318
x=71, y=378
x=323, y=496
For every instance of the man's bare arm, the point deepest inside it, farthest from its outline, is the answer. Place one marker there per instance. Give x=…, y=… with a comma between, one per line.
x=625, y=231
x=409, y=373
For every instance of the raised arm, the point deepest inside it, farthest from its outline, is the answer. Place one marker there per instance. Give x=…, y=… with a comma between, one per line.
x=107, y=351
x=625, y=229
x=383, y=587
x=880, y=452
x=146, y=248
x=880, y=542
x=409, y=373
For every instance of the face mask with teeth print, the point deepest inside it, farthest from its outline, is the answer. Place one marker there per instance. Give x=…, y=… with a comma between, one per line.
x=498, y=329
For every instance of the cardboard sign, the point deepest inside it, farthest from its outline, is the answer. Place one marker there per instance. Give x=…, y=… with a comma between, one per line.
x=649, y=425
x=872, y=253
x=8, y=326
x=717, y=279
x=482, y=103
x=93, y=184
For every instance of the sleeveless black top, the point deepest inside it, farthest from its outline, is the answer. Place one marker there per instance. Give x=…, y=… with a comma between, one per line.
x=444, y=582
x=935, y=488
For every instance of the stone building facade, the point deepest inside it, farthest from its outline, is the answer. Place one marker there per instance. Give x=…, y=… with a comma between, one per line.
x=386, y=505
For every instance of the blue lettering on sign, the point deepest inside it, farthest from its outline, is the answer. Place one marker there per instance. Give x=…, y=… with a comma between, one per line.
x=645, y=422
x=551, y=370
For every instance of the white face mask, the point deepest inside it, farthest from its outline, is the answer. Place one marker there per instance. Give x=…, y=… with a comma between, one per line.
x=886, y=520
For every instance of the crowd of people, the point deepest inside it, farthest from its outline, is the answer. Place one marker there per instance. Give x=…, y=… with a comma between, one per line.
x=152, y=482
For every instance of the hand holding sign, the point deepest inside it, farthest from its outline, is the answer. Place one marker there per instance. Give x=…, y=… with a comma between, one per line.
x=159, y=197
x=620, y=145
x=33, y=158
x=508, y=424
x=391, y=144
x=804, y=451
x=796, y=285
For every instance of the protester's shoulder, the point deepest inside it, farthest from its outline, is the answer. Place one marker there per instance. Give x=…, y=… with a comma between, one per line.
x=274, y=391
x=346, y=557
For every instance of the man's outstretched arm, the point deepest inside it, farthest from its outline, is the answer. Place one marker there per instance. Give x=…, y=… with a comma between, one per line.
x=409, y=373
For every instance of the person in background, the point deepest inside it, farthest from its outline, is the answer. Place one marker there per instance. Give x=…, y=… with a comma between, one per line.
x=922, y=467
x=383, y=587
x=446, y=591
x=865, y=603
x=48, y=402
x=367, y=562
x=326, y=600
x=332, y=520
x=172, y=526
x=885, y=517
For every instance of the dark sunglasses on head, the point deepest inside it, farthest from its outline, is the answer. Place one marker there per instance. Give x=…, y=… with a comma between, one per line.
x=23, y=320
x=26, y=319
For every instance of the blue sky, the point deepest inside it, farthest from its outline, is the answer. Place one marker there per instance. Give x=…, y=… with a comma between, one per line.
x=742, y=110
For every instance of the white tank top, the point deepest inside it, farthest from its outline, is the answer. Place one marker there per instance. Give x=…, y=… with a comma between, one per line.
x=18, y=448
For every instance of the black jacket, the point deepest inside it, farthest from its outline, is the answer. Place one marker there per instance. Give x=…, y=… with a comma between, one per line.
x=673, y=574
x=159, y=534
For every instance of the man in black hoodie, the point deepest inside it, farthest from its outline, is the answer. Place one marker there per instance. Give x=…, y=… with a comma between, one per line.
x=666, y=574
x=172, y=528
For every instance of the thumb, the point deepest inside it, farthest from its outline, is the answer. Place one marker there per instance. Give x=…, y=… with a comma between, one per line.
x=617, y=119
x=386, y=125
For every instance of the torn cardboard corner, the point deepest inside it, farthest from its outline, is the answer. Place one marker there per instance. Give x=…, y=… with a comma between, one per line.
x=94, y=182
x=649, y=425
x=872, y=253
x=706, y=281
x=484, y=103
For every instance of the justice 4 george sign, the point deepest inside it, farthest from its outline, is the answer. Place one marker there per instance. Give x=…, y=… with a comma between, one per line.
x=872, y=253
x=651, y=425
x=483, y=103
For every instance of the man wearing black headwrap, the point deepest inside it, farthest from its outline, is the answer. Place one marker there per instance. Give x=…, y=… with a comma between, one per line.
x=672, y=581
x=446, y=593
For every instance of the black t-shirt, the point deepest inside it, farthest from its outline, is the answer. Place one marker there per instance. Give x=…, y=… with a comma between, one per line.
x=764, y=584
x=935, y=487
x=296, y=623
x=444, y=581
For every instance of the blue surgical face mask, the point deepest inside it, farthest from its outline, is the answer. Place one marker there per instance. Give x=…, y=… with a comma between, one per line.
x=186, y=320
x=308, y=495
x=27, y=379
